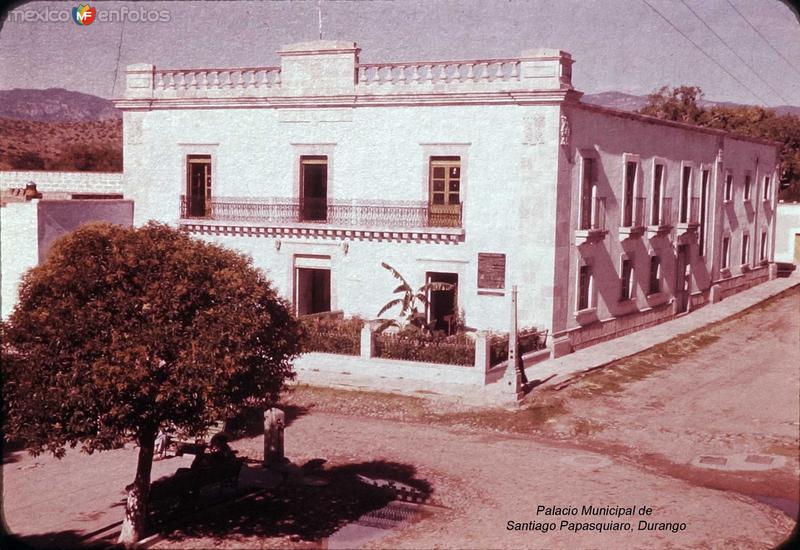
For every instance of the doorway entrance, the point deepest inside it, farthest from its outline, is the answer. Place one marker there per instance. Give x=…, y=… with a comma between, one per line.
x=682, y=280
x=442, y=301
x=198, y=186
x=313, y=188
x=312, y=290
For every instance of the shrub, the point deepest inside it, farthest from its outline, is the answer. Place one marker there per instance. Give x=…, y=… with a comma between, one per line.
x=332, y=335
x=529, y=340
x=412, y=344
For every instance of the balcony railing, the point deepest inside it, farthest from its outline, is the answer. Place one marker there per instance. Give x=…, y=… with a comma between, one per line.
x=633, y=219
x=390, y=214
x=662, y=217
x=690, y=215
x=595, y=226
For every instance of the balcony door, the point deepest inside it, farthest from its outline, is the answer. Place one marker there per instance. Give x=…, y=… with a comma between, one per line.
x=198, y=186
x=445, y=192
x=314, y=188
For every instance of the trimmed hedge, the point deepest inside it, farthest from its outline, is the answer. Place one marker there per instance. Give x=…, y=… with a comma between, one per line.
x=332, y=335
x=415, y=345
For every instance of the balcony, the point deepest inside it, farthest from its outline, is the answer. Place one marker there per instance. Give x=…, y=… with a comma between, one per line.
x=689, y=216
x=319, y=217
x=661, y=218
x=632, y=219
x=592, y=227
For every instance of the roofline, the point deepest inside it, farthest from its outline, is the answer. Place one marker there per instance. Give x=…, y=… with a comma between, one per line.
x=674, y=124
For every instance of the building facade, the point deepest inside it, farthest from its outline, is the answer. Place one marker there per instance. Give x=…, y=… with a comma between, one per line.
x=484, y=174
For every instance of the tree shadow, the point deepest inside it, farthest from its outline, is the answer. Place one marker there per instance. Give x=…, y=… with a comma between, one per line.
x=56, y=539
x=12, y=451
x=304, y=511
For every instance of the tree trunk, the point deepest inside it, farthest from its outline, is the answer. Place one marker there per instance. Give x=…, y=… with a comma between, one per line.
x=135, y=522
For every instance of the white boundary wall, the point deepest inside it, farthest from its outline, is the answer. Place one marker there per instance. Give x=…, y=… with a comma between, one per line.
x=19, y=248
x=788, y=227
x=75, y=182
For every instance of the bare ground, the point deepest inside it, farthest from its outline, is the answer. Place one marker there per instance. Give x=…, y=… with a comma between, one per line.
x=626, y=435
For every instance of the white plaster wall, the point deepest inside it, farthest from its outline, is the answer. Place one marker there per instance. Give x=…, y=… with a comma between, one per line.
x=378, y=153
x=611, y=136
x=76, y=182
x=18, y=248
x=787, y=227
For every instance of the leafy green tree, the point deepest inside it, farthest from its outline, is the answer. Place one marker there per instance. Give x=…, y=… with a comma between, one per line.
x=412, y=302
x=123, y=330
x=681, y=104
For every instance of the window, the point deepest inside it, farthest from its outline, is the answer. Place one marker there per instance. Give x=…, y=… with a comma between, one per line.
x=445, y=191
x=703, y=210
x=658, y=176
x=686, y=191
x=585, y=287
x=729, y=187
x=763, y=253
x=655, y=275
x=313, y=188
x=745, y=248
x=628, y=193
x=198, y=186
x=726, y=252
x=767, y=193
x=626, y=280
x=587, y=189
x=747, y=186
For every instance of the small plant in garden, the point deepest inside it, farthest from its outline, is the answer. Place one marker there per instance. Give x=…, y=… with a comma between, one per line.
x=412, y=302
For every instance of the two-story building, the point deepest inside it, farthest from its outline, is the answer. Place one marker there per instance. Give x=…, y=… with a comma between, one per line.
x=485, y=174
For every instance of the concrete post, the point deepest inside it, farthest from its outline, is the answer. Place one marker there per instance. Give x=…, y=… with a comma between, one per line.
x=274, y=423
x=139, y=80
x=482, y=352
x=773, y=271
x=515, y=368
x=715, y=294
x=367, y=342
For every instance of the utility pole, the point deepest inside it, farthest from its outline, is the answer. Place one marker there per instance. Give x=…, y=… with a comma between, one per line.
x=514, y=359
x=319, y=17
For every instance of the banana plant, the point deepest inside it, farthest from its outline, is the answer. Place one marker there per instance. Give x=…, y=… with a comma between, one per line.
x=413, y=303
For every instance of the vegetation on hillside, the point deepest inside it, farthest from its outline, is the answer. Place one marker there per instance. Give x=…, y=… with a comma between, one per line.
x=92, y=146
x=682, y=104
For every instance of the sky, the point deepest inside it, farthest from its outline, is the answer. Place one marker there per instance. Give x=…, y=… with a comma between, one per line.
x=745, y=51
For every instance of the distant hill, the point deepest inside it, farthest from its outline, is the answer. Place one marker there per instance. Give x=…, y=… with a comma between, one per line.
x=55, y=105
x=630, y=102
x=91, y=145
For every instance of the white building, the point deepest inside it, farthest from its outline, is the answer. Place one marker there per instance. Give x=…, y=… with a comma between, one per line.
x=485, y=174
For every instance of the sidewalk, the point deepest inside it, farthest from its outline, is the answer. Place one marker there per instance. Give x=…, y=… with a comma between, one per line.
x=555, y=372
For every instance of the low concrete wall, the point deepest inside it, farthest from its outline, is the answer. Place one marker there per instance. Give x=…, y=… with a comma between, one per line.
x=64, y=182
x=378, y=368
x=19, y=249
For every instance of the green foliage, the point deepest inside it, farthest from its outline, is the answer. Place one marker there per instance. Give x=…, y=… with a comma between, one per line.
x=529, y=339
x=678, y=104
x=28, y=160
x=332, y=335
x=89, y=158
x=122, y=330
x=681, y=104
x=415, y=344
x=412, y=302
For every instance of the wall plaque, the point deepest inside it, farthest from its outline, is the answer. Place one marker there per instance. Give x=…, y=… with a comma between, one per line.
x=491, y=271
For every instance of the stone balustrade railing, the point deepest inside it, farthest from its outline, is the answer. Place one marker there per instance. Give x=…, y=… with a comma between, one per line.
x=434, y=72
x=329, y=69
x=217, y=79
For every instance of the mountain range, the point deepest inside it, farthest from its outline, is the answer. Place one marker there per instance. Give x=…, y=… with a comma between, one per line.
x=60, y=105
